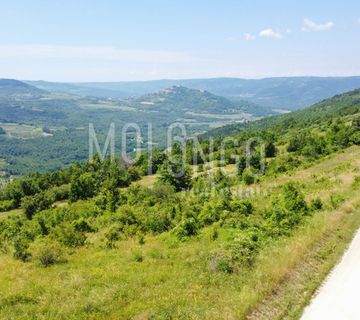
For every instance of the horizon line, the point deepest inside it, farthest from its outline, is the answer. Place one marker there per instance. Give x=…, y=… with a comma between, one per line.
x=186, y=79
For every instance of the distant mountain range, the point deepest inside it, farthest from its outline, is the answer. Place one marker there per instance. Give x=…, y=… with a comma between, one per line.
x=12, y=88
x=177, y=100
x=27, y=108
x=287, y=93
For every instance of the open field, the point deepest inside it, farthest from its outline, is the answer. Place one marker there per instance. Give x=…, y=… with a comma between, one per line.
x=236, y=116
x=21, y=131
x=104, y=105
x=147, y=181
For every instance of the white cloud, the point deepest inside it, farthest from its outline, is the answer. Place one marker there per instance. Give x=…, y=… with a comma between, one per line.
x=288, y=30
x=270, y=33
x=249, y=37
x=311, y=26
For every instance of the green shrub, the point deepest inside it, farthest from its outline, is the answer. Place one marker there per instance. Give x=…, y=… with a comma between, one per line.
x=176, y=175
x=236, y=215
x=126, y=215
x=293, y=199
x=316, y=204
x=220, y=262
x=283, y=164
x=214, y=233
x=112, y=236
x=131, y=230
x=83, y=187
x=36, y=203
x=66, y=234
x=21, y=246
x=296, y=143
x=138, y=256
x=140, y=237
x=244, y=247
x=60, y=193
x=241, y=206
x=133, y=173
x=187, y=227
x=355, y=138
x=241, y=165
x=82, y=225
x=336, y=200
x=159, y=218
x=48, y=252
x=287, y=211
x=210, y=213
x=356, y=182
x=248, y=176
x=6, y=205
x=231, y=219
x=270, y=150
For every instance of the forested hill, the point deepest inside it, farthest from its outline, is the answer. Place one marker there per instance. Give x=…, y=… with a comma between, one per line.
x=11, y=88
x=328, y=109
x=180, y=99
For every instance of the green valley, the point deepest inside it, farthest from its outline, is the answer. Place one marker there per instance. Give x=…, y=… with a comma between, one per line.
x=56, y=124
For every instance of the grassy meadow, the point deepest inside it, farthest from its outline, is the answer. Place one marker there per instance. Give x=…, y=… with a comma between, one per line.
x=162, y=277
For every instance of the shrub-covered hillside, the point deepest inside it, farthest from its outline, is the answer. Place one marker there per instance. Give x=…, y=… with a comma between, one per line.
x=340, y=106
x=211, y=238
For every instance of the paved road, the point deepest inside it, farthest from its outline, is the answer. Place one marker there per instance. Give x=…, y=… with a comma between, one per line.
x=339, y=296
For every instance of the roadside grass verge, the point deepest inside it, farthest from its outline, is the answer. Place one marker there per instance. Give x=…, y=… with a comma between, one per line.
x=306, y=260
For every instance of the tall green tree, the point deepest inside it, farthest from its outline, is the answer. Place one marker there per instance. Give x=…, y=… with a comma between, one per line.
x=177, y=174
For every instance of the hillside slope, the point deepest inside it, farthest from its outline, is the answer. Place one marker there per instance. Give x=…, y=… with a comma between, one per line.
x=185, y=100
x=161, y=276
x=328, y=109
x=239, y=234
x=12, y=88
x=287, y=93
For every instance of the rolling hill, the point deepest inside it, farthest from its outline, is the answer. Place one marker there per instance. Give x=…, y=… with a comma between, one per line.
x=13, y=88
x=288, y=93
x=182, y=100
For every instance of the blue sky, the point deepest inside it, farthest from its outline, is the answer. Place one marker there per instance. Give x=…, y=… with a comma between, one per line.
x=155, y=39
